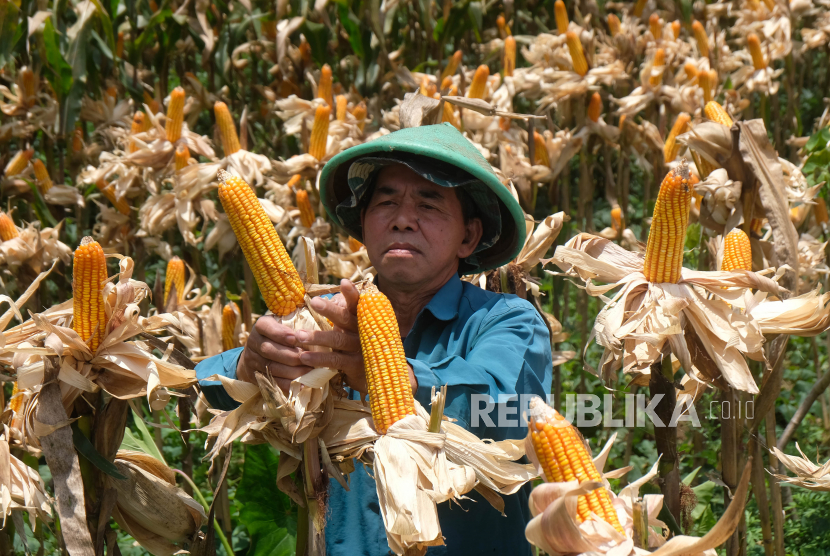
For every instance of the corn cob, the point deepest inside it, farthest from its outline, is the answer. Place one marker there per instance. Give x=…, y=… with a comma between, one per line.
x=540, y=150
x=182, y=156
x=306, y=212
x=562, y=455
x=756, y=226
x=716, y=113
x=754, y=46
x=89, y=274
x=509, y=63
x=446, y=83
x=78, y=138
x=119, y=45
x=561, y=15
x=704, y=167
x=108, y=191
x=595, y=107
x=294, y=181
x=655, y=26
x=15, y=401
x=324, y=87
x=478, y=85
x=229, y=339
x=770, y=4
x=7, y=228
x=616, y=218
x=151, y=103
x=820, y=211
x=342, y=103
x=387, y=372
x=449, y=112
x=671, y=148
x=613, y=25
x=278, y=280
x=701, y=38
x=691, y=70
x=175, y=115
x=675, y=28
x=639, y=7
x=305, y=52
x=19, y=162
x=29, y=85
x=354, y=245
x=227, y=129
x=44, y=182
x=452, y=66
x=704, y=81
x=658, y=62
x=737, y=251
x=503, y=27
x=359, y=114
x=577, y=55
x=621, y=123
x=664, y=252
x=112, y=92
x=137, y=127
x=174, y=277
x=319, y=132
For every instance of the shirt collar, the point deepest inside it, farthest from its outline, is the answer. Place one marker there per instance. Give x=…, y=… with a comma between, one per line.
x=444, y=304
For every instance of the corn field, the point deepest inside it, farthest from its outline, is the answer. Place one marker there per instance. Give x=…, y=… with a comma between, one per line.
x=671, y=159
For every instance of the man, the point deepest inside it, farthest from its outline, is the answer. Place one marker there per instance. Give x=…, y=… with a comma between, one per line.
x=429, y=208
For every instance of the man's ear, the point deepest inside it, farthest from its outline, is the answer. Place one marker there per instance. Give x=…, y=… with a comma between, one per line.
x=472, y=235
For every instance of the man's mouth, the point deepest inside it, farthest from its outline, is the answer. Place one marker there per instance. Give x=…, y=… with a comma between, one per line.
x=401, y=250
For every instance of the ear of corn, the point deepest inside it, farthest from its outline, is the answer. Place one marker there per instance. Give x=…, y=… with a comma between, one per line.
x=354, y=245
x=675, y=28
x=182, y=156
x=28, y=82
x=754, y=46
x=319, y=132
x=359, y=114
x=108, y=191
x=294, y=181
x=503, y=27
x=770, y=4
x=820, y=211
x=562, y=455
x=342, y=103
x=657, y=63
x=44, y=182
x=324, y=87
x=737, y=251
x=306, y=212
x=704, y=167
x=446, y=84
x=7, y=228
x=137, y=127
x=639, y=7
x=227, y=129
x=387, y=372
x=561, y=15
x=89, y=274
x=701, y=38
x=174, y=277
x=478, y=85
x=704, y=81
x=613, y=25
x=175, y=115
x=449, y=112
x=580, y=63
x=452, y=66
x=229, y=339
x=716, y=113
x=655, y=26
x=19, y=162
x=691, y=70
x=664, y=252
x=112, y=92
x=540, y=150
x=671, y=148
x=151, y=103
x=756, y=226
x=509, y=62
x=595, y=107
x=278, y=280
x=616, y=218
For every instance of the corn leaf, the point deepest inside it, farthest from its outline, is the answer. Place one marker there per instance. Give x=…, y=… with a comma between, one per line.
x=141, y=441
x=86, y=449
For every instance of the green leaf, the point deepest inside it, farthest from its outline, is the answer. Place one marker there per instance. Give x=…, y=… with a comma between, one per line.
x=86, y=449
x=60, y=72
x=816, y=161
x=8, y=27
x=41, y=210
x=666, y=517
x=687, y=480
x=317, y=35
x=818, y=141
x=141, y=442
x=352, y=27
x=268, y=514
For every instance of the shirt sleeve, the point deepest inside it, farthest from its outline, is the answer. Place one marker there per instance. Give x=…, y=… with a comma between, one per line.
x=508, y=359
x=222, y=364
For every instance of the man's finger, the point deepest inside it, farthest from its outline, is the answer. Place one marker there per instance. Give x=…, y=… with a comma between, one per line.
x=279, y=353
x=350, y=294
x=256, y=363
x=343, y=341
x=269, y=327
x=338, y=315
x=342, y=361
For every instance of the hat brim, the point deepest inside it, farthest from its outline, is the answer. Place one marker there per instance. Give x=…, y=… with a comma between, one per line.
x=445, y=143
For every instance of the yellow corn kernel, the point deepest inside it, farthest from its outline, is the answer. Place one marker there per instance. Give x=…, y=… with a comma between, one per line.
x=671, y=148
x=174, y=278
x=580, y=63
x=737, y=251
x=716, y=113
x=503, y=27
x=478, y=86
x=595, y=107
x=359, y=114
x=324, y=87
x=451, y=67
x=175, y=115
x=427, y=87
x=151, y=103
x=354, y=245
x=294, y=181
x=229, y=337
x=655, y=80
x=387, y=372
x=704, y=167
x=342, y=103
x=540, y=150
x=613, y=25
x=563, y=456
x=319, y=132
x=19, y=162
x=44, y=181
x=89, y=274
x=655, y=26
x=754, y=46
x=306, y=212
x=756, y=226
x=664, y=252
x=704, y=81
x=108, y=191
x=701, y=38
x=449, y=111
x=675, y=28
x=182, y=156
x=446, y=84
x=227, y=129
x=278, y=280
x=639, y=7
x=616, y=219
x=691, y=70
x=509, y=62
x=820, y=211
x=561, y=15
x=7, y=228
x=137, y=127
x=119, y=45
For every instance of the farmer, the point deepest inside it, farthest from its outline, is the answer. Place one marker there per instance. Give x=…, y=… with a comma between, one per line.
x=429, y=209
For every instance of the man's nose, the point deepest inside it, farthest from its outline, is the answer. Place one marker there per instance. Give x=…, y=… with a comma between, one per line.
x=405, y=218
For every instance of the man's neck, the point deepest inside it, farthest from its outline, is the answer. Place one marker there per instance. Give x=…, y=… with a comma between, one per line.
x=409, y=301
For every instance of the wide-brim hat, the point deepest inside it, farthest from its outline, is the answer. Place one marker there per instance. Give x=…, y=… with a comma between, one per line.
x=457, y=164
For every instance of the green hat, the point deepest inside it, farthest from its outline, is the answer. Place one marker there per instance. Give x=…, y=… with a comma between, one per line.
x=442, y=155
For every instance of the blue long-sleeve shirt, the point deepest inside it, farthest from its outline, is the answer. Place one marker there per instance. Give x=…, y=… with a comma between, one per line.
x=480, y=344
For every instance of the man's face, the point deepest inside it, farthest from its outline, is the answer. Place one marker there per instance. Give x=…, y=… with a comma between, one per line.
x=414, y=230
